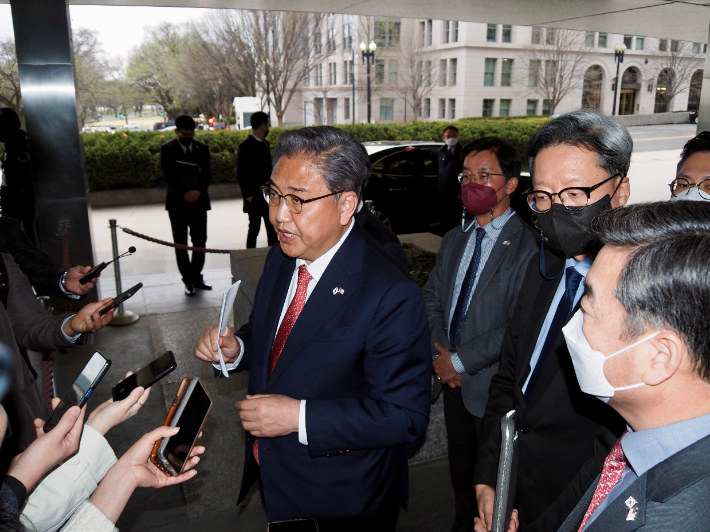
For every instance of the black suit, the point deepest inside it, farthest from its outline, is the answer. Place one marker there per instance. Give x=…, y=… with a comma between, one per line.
x=253, y=171
x=184, y=215
x=448, y=188
x=385, y=238
x=564, y=434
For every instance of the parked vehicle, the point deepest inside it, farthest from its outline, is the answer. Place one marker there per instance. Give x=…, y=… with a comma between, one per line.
x=134, y=126
x=693, y=117
x=160, y=126
x=403, y=187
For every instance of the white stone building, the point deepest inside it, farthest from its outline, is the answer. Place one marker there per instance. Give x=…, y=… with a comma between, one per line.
x=479, y=69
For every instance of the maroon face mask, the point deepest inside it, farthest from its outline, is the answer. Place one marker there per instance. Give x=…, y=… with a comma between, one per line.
x=478, y=199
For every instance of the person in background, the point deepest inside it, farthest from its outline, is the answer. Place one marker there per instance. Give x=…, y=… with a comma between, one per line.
x=639, y=343
x=254, y=171
x=692, y=180
x=448, y=189
x=186, y=167
x=17, y=197
x=482, y=263
x=578, y=163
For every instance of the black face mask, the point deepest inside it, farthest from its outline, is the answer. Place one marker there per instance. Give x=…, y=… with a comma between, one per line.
x=569, y=231
x=266, y=133
x=185, y=141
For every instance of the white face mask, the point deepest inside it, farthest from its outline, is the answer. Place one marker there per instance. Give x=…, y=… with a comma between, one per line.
x=693, y=194
x=451, y=142
x=589, y=364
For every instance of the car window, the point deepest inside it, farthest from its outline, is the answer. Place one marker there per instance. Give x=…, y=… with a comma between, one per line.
x=404, y=163
x=379, y=166
x=430, y=168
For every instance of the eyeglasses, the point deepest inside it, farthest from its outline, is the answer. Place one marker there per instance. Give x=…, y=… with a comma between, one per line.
x=293, y=203
x=480, y=178
x=573, y=198
x=681, y=187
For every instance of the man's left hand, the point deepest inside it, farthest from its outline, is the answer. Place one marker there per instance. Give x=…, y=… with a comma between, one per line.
x=443, y=366
x=88, y=319
x=72, y=280
x=191, y=196
x=268, y=416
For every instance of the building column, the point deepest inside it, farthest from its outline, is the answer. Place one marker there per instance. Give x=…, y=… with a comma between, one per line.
x=704, y=110
x=46, y=67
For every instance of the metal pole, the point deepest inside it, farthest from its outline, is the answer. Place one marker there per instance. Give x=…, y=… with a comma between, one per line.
x=616, y=87
x=352, y=78
x=121, y=317
x=369, y=103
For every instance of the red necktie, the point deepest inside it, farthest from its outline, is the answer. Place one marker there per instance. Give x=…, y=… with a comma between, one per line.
x=611, y=474
x=294, y=309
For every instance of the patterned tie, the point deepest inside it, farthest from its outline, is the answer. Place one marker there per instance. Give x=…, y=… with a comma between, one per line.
x=465, y=294
x=611, y=474
x=564, y=309
x=294, y=309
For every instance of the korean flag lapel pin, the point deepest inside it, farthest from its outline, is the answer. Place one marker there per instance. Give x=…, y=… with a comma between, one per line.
x=632, y=505
x=338, y=290
x=506, y=242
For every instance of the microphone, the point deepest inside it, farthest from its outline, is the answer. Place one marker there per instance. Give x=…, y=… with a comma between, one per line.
x=96, y=270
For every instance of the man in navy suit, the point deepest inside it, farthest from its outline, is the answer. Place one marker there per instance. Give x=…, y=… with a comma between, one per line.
x=337, y=346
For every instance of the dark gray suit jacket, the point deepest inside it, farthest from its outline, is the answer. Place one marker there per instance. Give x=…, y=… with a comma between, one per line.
x=672, y=496
x=491, y=306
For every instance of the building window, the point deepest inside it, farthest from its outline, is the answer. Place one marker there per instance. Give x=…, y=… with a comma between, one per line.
x=488, y=107
x=662, y=45
x=532, y=108
x=427, y=107
x=454, y=70
x=452, y=109
x=387, y=31
x=442, y=108
x=550, y=36
x=491, y=31
x=379, y=71
x=639, y=43
x=674, y=46
x=429, y=32
x=332, y=73
x=307, y=78
x=534, y=72
x=545, y=107
x=319, y=75
x=536, y=35
x=455, y=33
x=550, y=72
x=422, y=33
x=504, y=109
x=589, y=39
x=507, y=35
x=506, y=72
x=447, y=31
x=393, y=72
x=489, y=72
x=696, y=47
x=627, y=41
x=347, y=108
x=317, y=37
x=427, y=73
x=348, y=72
x=442, y=73
x=601, y=42
x=386, y=109
x=347, y=32
x=331, y=33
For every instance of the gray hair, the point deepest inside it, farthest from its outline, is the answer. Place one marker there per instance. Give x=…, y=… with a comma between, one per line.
x=586, y=128
x=665, y=283
x=342, y=161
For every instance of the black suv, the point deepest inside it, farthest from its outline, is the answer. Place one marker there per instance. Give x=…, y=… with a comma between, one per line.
x=158, y=126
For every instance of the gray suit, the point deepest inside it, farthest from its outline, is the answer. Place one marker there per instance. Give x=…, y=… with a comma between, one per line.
x=671, y=496
x=26, y=323
x=491, y=304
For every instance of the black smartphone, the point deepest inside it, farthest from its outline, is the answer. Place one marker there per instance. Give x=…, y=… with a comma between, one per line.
x=95, y=272
x=146, y=376
x=79, y=393
x=190, y=417
x=121, y=298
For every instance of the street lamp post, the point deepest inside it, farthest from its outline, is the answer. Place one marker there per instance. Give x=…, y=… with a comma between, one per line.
x=268, y=91
x=368, y=56
x=352, y=79
x=618, y=58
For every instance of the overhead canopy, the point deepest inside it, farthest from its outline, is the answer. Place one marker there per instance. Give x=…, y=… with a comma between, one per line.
x=686, y=20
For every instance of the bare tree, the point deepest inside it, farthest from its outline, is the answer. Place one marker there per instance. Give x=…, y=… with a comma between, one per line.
x=552, y=66
x=90, y=70
x=419, y=72
x=674, y=68
x=10, y=95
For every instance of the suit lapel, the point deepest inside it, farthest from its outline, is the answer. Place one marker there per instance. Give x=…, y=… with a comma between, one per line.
x=574, y=519
x=617, y=516
x=459, y=247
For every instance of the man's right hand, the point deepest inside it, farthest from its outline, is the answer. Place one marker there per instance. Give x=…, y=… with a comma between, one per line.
x=409, y=148
x=486, y=496
x=206, y=348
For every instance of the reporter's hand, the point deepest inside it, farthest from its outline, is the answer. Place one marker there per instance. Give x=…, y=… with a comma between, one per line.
x=485, y=497
x=88, y=319
x=49, y=449
x=109, y=414
x=206, y=348
x=72, y=280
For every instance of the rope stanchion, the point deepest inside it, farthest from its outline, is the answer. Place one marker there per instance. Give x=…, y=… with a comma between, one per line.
x=173, y=244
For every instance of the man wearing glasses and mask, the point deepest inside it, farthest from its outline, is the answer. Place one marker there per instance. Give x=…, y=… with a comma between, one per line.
x=692, y=180
x=470, y=296
x=337, y=348
x=578, y=164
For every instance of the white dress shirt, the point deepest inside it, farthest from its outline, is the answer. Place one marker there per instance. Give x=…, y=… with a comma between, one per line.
x=316, y=269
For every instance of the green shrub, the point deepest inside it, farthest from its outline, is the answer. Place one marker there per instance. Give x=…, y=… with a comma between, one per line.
x=132, y=159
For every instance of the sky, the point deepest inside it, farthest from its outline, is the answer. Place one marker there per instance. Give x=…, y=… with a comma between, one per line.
x=119, y=28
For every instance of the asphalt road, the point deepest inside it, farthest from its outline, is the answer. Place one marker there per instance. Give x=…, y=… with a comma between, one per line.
x=665, y=137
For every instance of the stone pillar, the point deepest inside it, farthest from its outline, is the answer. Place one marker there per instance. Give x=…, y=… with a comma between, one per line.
x=704, y=110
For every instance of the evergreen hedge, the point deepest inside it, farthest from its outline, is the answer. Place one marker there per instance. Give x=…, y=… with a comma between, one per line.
x=131, y=159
